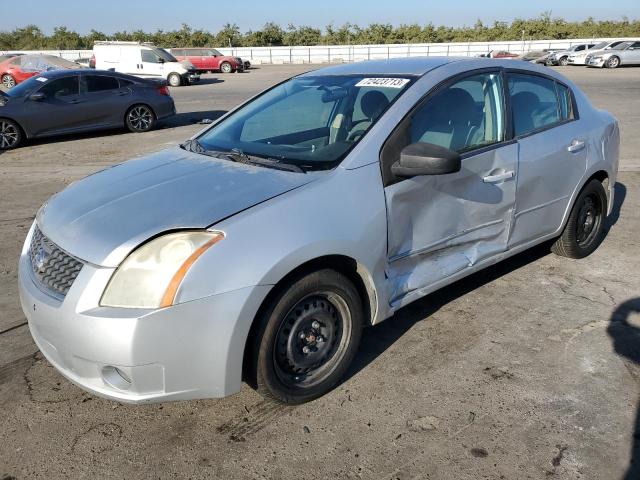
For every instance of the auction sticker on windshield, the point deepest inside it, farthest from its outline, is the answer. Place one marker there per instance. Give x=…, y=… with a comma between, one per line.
x=383, y=82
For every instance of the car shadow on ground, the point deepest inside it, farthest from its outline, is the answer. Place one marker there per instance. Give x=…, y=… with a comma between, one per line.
x=206, y=81
x=377, y=339
x=191, y=118
x=626, y=343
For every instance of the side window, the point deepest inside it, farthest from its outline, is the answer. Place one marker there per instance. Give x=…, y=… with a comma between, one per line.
x=635, y=46
x=125, y=83
x=149, y=56
x=534, y=103
x=99, y=83
x=579, y=48
x=566, y=104
x=466, y=115
x=62, y=87
x=16, y=61
x=194, y=53
x=305, y=111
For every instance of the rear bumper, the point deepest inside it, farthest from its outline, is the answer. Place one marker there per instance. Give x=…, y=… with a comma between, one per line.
x=187, y=351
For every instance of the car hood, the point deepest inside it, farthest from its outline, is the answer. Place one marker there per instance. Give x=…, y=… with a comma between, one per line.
x=103, y=217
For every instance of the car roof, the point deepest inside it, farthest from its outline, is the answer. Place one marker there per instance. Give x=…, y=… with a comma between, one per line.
x=394, y=66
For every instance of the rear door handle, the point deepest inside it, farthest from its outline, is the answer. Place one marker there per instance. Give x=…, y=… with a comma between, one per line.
x=499, y=177
x=120, y=94
x=576, y=146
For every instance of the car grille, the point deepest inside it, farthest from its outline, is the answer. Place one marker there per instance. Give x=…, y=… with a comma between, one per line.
x=53, y=268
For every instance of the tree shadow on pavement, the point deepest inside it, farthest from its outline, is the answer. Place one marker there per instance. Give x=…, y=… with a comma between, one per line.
x=626, y=343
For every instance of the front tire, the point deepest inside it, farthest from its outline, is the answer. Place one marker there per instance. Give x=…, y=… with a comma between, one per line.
x=584, y=230
x=174, y=80
x=140, y=118
x=563, y=62
x=8, y=81
x=225, y=67
x=10, y=134
x=613, y=62
x=307, y=337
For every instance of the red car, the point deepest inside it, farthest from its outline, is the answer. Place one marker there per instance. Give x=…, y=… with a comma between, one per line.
x=208, y=59
x=502, y=54
x=18, y=69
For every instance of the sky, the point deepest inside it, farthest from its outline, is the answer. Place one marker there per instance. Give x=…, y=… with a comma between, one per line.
x=110, y=16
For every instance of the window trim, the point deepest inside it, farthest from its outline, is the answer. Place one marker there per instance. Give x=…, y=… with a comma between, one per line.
x=574, y=109
x=403, y=124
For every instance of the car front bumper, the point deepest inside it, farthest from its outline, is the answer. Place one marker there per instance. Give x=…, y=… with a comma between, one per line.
x=191, y=77
x=595, y=62
x=187, y=351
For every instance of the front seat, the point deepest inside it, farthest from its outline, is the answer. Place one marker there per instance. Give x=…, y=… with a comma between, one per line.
x=448, y=120
x=372, y=104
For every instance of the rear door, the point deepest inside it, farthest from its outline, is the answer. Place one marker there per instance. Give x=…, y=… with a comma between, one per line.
x=440, y=225
x=552, y=153
x=61, y=109
x=106, y=101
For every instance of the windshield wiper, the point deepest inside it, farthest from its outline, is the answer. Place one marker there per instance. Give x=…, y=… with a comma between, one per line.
x=237, y=155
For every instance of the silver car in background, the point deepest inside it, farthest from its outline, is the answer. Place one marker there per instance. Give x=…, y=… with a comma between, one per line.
x=580, y=58
x=260, y=248
x=562, y=57
x=626, y=53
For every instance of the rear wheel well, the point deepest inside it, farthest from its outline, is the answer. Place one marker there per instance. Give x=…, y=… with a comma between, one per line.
x=341, y=263
x=602, y=177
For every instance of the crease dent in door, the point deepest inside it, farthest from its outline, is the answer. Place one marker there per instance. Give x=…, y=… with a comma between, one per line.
x=421, y=269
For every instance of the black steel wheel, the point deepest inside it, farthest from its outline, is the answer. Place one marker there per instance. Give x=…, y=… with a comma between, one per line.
x=585, y=227
x=140, y=118
x=306, y=338
x=10, y=134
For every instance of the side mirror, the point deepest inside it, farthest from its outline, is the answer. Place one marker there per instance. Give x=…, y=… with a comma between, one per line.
x=160, y=60
x=37, y=97
x=426, y=159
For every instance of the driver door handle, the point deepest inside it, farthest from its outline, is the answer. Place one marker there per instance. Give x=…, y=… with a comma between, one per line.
x=576, y=146
x=499, y=177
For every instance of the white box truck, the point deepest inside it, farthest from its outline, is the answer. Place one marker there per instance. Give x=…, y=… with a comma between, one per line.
x=143, y=60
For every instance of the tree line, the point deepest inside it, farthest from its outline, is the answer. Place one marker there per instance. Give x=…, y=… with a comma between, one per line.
x=32, y=37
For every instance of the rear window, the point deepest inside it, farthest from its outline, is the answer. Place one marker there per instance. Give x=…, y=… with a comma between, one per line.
x=99, y=83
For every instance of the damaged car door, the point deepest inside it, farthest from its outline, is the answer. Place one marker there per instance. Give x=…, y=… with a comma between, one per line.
x=442, y=224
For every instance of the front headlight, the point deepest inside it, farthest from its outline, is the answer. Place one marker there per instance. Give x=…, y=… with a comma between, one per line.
x=150, y=276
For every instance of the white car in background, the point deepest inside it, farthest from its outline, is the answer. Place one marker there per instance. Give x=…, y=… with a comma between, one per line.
x=562, y=57
x=580, y=58
x=143, y=60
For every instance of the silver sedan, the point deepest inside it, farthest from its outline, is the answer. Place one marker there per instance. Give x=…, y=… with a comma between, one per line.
x=260, y=248
x=626, y=53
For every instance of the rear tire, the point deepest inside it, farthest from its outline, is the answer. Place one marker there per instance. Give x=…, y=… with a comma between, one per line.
x=225, y=67
x=584, y=230
x=306, y=338
x=140, y=118
x=10, y=134
x=174, y=79
x=613, y=62
x=8, y=81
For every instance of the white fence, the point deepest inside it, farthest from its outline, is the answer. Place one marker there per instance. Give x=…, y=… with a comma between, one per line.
x=356, y=53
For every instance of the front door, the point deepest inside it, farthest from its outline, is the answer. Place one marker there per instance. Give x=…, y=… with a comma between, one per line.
x=440, y=225
x=152, y=65
x=60, y=110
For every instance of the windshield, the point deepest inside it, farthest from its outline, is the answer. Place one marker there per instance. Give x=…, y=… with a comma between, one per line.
x=311, y=122
x=214, y=52
x=25, y=88
x=621, y=46
x=163, y=54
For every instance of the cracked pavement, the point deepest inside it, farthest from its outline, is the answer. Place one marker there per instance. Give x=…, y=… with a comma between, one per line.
x=514, y=373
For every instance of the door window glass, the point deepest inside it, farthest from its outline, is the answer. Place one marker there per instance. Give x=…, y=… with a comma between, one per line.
x=534, y=103
x=466, y=115
x=149, y=56
x=564, y=98
x=62, y=87
x=98, y=83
